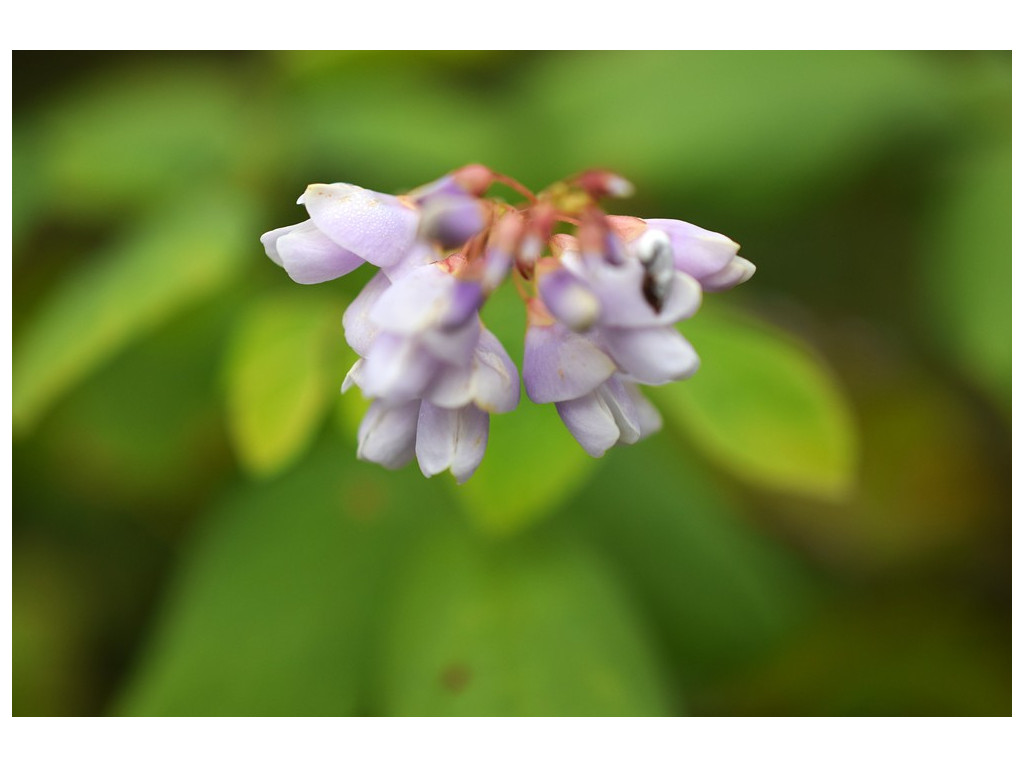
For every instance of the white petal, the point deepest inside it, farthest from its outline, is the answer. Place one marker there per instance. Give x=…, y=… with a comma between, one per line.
x=387, y=434
x=424, y=298
x=648, y=416
x=495, y=378
x=396, y=368
x=269, y=240
x=622, y=408
x=737, y=271
x=359, y=329
x=378, y=228
x=309, y=256
x=651, y=355
x=451, y=438
x=591, y=422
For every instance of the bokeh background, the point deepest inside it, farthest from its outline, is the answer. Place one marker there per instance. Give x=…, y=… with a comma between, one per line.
x=822, y=527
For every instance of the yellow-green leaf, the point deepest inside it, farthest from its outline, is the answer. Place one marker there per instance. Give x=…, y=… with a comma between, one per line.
x=764, y=406
x=278, y=376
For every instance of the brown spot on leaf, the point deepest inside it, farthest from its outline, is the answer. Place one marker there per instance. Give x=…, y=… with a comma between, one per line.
x=455, y=677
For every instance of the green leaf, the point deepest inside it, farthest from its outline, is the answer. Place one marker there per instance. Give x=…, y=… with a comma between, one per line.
x=515, y=628
x=279, y=376
x=966, y=277
x=181, y=254
x=734, y=125
x=125, y=139
x=532, y=463
x=765, y=407
x=722, y=592
x=272, y=608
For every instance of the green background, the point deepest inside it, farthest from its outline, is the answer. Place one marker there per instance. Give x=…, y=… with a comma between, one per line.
x=822, y=527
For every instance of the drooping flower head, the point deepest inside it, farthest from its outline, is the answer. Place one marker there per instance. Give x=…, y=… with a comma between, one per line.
x=602, y=305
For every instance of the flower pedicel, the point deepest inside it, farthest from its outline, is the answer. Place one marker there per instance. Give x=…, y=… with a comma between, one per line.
x=602, y=301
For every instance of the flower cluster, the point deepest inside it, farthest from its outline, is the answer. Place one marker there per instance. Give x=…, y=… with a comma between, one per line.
x=602, y=295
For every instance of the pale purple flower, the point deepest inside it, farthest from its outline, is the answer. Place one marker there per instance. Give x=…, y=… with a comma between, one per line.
x=602, y=307
x=434, y=371
x=708, y=256
x=601, y=329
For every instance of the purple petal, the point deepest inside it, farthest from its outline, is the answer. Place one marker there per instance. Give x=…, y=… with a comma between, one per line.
x=698, y=252
x=387, y=434
x=426, y=298
x=378, y=228
x=651, y=355
x=561, y=365
x=620, y=291
x=360, y=331
x=454, y=439
x=491, y=381
x=451, y=219
x=737, y=271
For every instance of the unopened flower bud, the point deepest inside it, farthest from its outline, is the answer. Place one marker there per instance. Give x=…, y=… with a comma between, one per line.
x=600, y=184
x=538, y=230
x=474, y=178
x=451, y=219
x=568, y=298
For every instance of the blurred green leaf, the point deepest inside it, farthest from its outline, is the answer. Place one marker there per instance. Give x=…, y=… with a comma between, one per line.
x=125, y=139
x=181, y=254
x=514, y=628
x=272, y=608
x=723, y=593
x=128, y=434
x=757, y=129
x=278, y=376
x=966, y=268
x=397, y=129
x=765, y=407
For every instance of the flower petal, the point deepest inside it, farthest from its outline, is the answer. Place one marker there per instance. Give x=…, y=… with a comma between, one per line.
x=451, y=438
x=269, y=240
x=648, y=417
x=622, y=408
x=495, y=378
x=387, y=434
x=619, y=288
x=561, y=365
x=378, y=228
x=698, y=252
x=396, y=368
x=737, y=271
x=591, y=422
x=360, y=331
x=426, y=297
x=651, y=355
x=309, y=256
